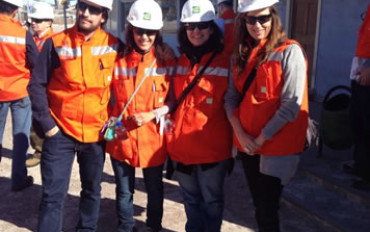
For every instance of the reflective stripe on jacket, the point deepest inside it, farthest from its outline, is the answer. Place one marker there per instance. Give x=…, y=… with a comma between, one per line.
x=41, y=40
x=229, y=17
x=79, y=89
x=262, y=100
x=14, y=74
x=363, y=44
x=202, y=133
x=145, y=145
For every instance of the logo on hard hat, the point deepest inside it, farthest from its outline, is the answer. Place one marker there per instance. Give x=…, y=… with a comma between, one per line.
x=147, y=16
x=196, y=9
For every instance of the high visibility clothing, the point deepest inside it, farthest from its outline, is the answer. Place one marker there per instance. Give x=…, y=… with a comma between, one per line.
x=202, y=133
x=14, y=74
x=79, y=89
x=229, y=17
x=363, y=44
x=262, y=100
x=144, y=146
x=40, y=40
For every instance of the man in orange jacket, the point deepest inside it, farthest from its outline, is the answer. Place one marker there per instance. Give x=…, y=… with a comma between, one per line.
x=360, y=76
x=226, y=12
x=70, y=91
x=18, y=54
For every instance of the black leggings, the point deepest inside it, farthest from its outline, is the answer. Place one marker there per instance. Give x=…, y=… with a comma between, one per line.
x=266, y=192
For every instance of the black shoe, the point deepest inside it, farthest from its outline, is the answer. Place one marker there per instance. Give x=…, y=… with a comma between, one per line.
x=361, y=184
x=27, y=183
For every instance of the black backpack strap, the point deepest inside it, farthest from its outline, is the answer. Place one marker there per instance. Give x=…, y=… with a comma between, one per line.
x=248, y=82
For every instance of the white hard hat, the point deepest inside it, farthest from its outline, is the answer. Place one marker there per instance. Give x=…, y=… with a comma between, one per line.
x=41, y=10
x=104, y=3
x=250, y=5
x=18, y=3
x=221, y=1
x=197, y=11
x=145, y=14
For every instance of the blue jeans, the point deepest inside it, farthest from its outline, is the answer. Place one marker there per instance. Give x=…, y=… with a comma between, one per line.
x=125, y=185
x=21, y=120
x=57, y=158
x=204, y=196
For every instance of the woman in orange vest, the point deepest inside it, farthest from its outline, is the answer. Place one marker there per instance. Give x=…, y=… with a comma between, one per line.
x=270, y=117
x=140, y=85
x=41, y=18
x=201, y=140
x=360, y=76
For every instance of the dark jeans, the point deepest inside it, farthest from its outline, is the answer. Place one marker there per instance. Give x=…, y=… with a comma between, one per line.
x=266, y=192
x=125, y=185
x=361, y=123
x=56, y=164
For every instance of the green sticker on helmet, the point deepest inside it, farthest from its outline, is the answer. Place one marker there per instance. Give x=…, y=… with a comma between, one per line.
x=196, y=10
x=147, y=16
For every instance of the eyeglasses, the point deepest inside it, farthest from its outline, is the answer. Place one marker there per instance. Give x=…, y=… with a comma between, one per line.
x=82, y=6
x=200, y=26
x=252, y=20
x=141, y=31
x=37, y=20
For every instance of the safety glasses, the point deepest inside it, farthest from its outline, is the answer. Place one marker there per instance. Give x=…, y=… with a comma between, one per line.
x=37, y=20
x=141, y=31
x=82, y=6
x=252, y=20
x=200, y=26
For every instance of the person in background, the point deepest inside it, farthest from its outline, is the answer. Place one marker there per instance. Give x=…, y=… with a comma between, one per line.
x=270, y=117
x=226, y=12
x=360, y=77
x=142, y=74
x=41, y=19
x=201, y=140
x=70, y=92
x=18, y=54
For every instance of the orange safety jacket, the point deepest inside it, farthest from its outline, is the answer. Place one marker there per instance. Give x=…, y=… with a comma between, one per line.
x=79, y=90
x=144, y=146
x=14, y=75
x=262, y=100
x=229, y=17
x=363, y=44
x=202, y=133
x=40, y=40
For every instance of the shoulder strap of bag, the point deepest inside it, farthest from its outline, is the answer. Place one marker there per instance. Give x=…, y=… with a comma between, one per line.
x=136, y=90
x=194, y=81
x=248, y=82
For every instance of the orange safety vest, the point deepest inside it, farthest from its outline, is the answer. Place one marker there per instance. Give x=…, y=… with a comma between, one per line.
x=14, y=75
x=79, y=90
x=202, y=133
x=39, y=41
x=229, y=17
x=363, y=44
x=262, y=100
x=145, y=145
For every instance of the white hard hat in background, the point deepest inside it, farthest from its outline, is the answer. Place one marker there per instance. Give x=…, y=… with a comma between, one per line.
x=103, y=3
x=250, y=5
x=41, y=10
x=145, y=14
x=18, y=3
x=197, y=11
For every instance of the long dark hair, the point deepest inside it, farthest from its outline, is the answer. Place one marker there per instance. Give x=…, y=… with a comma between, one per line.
x=244, y=43
x=130, y=44
x=215, y=40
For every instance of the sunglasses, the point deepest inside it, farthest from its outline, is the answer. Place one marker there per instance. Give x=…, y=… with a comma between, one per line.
x=82, y=6
x=252, y=20
x=141, y=31
x=37, y=20
x=200, y=26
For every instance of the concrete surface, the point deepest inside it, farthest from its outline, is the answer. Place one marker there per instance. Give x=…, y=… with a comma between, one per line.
x=18, y=211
